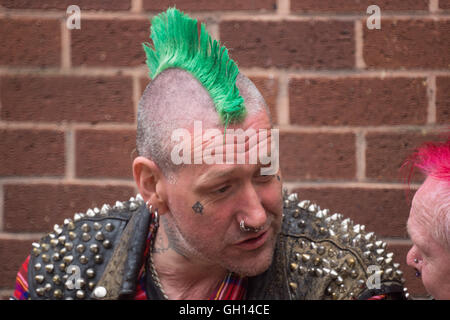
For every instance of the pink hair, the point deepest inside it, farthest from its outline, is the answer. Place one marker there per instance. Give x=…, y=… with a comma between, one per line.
x=433, y=159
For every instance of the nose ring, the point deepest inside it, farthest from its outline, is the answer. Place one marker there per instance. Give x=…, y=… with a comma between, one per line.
x=247, y=229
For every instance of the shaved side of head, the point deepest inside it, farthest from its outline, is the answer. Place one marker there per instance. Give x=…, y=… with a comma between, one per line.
x=175, y=99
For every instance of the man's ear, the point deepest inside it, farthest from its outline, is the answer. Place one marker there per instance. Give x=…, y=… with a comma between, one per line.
x=150, y=183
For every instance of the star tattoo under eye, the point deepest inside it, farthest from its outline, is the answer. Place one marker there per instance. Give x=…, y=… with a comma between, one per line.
x=198, y=208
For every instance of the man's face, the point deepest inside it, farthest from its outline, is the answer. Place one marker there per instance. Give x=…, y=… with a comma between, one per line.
x=227, y=193
x=433, y=259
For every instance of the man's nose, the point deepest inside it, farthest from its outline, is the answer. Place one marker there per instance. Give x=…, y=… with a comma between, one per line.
x=253, y=212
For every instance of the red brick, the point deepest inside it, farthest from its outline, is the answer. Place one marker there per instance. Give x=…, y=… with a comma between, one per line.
x=64, y=4
x=386, y=153
x=408, y=44
x=30, y=42
x=312, y=156
x=206, y=5
x=358, y=6
x=12, y=254
x=31, y=152
x=384, y=211
x=444, y=4
x=414, y=284
x=110, y=43
x=358, y=101
x=290, y=44
x=443, y=100
x=269, y=90
x=67, y=98
x=37, y=207
x=101, y=153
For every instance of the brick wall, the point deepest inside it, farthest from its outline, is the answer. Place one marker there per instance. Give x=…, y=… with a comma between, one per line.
x=351, y=103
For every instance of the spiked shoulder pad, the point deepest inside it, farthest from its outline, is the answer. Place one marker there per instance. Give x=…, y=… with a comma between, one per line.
x=68, y=262
x=347, y=261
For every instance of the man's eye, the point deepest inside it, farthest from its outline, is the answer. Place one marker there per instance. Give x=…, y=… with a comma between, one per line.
x=223, y=189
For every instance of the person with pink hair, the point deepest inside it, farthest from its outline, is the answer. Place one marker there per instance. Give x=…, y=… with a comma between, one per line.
x=429, y=220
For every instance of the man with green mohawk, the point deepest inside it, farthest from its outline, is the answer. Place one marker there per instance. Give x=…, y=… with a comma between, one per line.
x=202, y=229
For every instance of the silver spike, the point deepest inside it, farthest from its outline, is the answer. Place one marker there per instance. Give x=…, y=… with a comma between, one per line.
x=378, y=243
x=119, y=205
x=96, y=210
x=37, y=266
x=76, y=217
x=357, y=228
x=90, y=273
x=325, y=212
x=90, y=213
x=369, y=236
x=380, y=251
x=293, y=197
x=133, y=206
x=39, y=278
x=105, y=209
x=388, y=260
x=139, y=197
x=390, y=254
x=335, y=217
x=304, y=204
x=313, y=207
x=57, y=229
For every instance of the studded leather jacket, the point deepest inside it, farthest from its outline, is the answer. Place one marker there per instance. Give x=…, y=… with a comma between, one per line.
x=98, y=255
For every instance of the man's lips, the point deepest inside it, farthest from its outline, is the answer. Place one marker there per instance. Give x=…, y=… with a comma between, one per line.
x=254, y=241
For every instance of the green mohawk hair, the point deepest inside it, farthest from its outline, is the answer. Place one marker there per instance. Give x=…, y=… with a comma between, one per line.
x=176, y=44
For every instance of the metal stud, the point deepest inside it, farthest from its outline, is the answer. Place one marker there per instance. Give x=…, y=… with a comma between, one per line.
x=94, y=248
x=139, y=197
x=305, y=257
x=56, y=256
x=369, y=236
x=91, y=285
x=80, y=248
x=56, y=279
x=37, y=266
x=80, y=294
x=68, y=246
x=36, y=251
x=333, y=274
x=100, y=292
x=302, y=269
x=107, y=244
x=339, y=280
x=86, y=237
x=98, y=259
x=58, y=294
x=45, y=247
x=318, y=272
x=320, y=249
x=99, y=236
x=97, y=226
x=68, y=259
x=62, y=239
x=49, y=268
x=57, y=229
x=85, y=227
x=39, y=278
x=96, y=210
x=83, y=259
x=90, y=273
x=54, y=242
x=293, y=286
x=40, y=291
x=72, y=235
x=294, y=266
x=109, y=227
x=62, y=267
x=45, y=257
